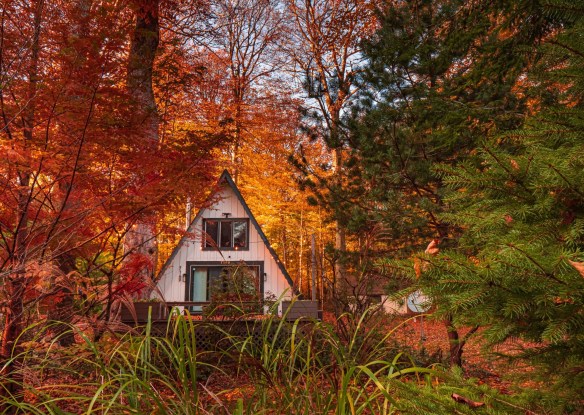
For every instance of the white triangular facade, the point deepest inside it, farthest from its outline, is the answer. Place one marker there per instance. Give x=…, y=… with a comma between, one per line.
x=183, y=276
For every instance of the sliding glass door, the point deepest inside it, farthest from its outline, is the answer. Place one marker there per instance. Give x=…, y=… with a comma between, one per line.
x=209, y=281
x=198, y=288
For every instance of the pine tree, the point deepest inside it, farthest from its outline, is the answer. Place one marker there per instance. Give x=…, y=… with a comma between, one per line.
x=442, y=76
x=518, y=269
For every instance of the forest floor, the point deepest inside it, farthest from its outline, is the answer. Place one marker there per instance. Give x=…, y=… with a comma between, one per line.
x=487, y=367
x=427, y=341
x=223, y=389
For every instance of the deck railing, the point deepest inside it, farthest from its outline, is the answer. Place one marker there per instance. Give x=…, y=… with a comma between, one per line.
x=160, y=311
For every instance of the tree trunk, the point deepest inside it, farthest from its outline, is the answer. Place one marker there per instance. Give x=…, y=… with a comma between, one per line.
x=301, y=247
x=456, y=345
x=141, y=239
x=284, y=241
x=340, y=239
x=235, y=157
x=143, y=49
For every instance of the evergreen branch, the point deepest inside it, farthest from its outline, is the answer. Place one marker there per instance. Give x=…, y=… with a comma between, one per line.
x=511, y=175
x=439, y=225
x=525, y=410
x=564, y=178
x=529, y=161
x=450, y=176
x=470, y=333
x=569, y=48
x=537, y=264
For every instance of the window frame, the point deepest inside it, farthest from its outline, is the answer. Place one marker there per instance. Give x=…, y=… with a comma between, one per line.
x=212, y=264
x=218, y=241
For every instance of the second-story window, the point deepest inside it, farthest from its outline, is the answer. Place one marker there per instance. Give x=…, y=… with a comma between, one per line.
x=226, y=233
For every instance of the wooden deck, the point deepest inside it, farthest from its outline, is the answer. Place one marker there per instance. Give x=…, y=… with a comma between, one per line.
x=214, y=333
x=156, y=312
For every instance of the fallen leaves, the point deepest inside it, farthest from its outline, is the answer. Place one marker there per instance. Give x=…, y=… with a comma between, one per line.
x=461, y=399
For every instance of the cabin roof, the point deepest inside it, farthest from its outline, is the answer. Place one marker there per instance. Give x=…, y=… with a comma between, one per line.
x=226, y=178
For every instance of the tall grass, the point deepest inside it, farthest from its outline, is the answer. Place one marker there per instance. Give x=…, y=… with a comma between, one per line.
x=285, y=368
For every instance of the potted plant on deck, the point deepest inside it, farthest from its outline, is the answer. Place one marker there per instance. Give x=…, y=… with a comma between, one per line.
x=235, y=294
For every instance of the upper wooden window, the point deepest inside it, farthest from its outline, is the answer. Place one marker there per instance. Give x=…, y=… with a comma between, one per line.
x=226, y=234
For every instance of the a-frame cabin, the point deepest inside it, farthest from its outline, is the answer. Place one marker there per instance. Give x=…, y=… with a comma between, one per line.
x=225, y=234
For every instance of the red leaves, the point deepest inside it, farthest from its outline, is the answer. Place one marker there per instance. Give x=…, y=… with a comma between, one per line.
x=132, y=286
x=135, y=264
x=132, y=274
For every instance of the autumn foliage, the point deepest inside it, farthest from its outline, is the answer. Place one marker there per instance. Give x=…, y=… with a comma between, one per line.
x=370, y=128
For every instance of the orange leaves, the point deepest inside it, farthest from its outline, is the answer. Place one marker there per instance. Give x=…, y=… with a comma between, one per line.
x=418, y=267
x=578, y=266
x=13, y=156
x=432, y=247
x=461, y=399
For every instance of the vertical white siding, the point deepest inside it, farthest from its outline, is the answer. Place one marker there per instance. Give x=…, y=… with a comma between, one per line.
x=191, y=250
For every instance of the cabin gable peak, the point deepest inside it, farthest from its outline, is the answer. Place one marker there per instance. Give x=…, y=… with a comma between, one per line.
x=229, y=234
